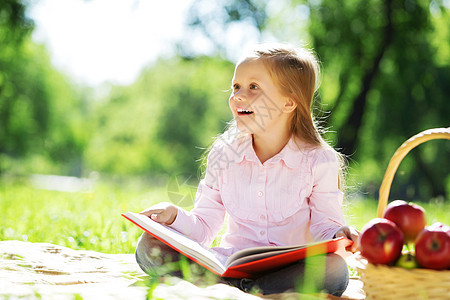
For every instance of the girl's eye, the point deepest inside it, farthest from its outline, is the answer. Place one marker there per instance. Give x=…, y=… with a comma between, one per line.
x=253, y=86
x=235, y=87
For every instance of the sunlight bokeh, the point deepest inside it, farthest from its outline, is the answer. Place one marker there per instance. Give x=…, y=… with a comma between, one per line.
x=103, y=40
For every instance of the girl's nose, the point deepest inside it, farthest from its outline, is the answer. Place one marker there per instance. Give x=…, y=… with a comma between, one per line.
x=239, y=96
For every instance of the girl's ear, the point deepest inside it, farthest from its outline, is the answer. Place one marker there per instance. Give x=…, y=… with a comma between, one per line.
x=289, y=106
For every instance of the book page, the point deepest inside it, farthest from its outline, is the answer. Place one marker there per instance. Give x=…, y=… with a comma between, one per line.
x=183, y=244
x=252, y=254
x=257, y=253
x=254, y=262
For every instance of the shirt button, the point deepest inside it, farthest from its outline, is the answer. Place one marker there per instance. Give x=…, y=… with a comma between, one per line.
x=260, y=194
x=262, y=217
x=262, y=232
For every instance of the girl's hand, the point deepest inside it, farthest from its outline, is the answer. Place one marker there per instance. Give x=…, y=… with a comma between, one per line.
x=163, y=212
x=350, y=233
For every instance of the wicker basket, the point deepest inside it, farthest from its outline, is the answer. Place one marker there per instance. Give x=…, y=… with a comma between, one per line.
x=385, y=282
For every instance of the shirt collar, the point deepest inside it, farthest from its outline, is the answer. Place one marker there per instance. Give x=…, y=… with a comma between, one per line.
x=292, y=154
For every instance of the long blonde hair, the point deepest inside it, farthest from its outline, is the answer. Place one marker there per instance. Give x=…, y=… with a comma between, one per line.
x=296, y=73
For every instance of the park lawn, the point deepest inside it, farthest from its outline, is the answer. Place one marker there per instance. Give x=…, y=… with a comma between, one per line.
x=92, y=220
x=81, y=220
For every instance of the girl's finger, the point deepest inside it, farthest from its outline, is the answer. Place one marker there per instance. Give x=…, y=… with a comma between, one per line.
x=355, y=246
x=159, y=217
x=149, y=212
x=154, y=217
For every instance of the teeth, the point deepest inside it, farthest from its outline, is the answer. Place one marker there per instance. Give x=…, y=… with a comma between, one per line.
x=241, y=110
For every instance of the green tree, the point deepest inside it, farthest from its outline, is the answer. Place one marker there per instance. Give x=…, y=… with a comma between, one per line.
x=389, y=84
x=14, y=29
x=160, y=123
x=41, y=126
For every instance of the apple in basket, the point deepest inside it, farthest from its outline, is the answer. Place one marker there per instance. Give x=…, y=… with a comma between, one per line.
x=433, y=247
x=380, y=241
x=409, y=218
x=407, y=261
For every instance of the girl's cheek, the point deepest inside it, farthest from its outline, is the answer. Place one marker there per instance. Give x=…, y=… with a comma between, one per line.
x=230, y=103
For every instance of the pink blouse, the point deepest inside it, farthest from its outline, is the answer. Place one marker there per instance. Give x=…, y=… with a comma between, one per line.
x=293, y=198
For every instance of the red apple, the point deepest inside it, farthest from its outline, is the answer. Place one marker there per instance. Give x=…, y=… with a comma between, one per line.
x=433, y=247
x=409, y=218
x=380, y=241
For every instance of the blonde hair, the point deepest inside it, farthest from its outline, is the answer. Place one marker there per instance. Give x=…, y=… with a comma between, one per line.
x=296, y=73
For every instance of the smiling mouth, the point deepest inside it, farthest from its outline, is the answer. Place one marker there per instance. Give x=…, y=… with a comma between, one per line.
x=243, y=112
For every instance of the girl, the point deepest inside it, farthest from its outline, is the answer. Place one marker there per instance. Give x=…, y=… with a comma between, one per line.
x=271, y=172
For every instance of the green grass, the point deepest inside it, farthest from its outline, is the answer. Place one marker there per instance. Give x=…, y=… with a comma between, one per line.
x=92, y=220
x=89, y=221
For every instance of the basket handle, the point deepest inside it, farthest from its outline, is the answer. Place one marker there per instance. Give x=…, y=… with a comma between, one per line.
x=427, y=135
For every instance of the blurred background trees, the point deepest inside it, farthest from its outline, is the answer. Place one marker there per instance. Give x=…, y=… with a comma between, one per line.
x=163, y=121
x=386, y=69
x=42, y=125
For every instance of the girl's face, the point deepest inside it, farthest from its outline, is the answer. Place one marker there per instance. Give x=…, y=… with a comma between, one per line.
x=256, y=103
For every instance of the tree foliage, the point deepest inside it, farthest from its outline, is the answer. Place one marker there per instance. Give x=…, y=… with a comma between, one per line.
x=389, y=83
x=14, y=29
x=160, y=123
x=40, y=112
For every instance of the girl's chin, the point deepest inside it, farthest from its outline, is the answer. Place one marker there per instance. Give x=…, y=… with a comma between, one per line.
x=244, y=128
x=248, y=129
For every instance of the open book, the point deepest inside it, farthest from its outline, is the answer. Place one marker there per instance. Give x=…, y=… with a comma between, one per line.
x=247, y=263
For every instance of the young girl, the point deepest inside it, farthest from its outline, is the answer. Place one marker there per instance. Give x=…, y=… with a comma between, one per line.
x=271, y=172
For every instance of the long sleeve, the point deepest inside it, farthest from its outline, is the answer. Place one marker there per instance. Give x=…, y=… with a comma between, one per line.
x=204, y=222
x=326, y=198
